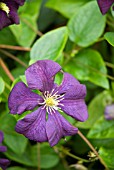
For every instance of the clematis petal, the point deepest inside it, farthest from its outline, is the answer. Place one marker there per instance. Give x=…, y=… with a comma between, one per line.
x=109, y=112
x=68, y=83
x=71, y=87
x=3, y=149
x=4, y=20
x=20, y=2
x=40, y=75
x=1, y=136
x=104, y=5
x=22, y=99
x=57, y=127
x=75, y=108
x=4, y=163
x=13, y=7
x=33, y=126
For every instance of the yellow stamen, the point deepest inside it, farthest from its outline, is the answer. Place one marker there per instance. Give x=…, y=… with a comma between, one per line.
x=4, y=7
x=51, y=102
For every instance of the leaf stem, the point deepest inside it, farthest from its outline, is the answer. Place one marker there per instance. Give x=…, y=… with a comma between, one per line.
x=3, y=65
x=93, y=149
x=14, y=47
x=13, y=57
x=66, y=152
x=31, y=27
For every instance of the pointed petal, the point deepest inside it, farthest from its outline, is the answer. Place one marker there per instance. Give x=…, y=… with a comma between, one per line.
x=4, y=20
x=75, y=108
x=74, y=93
x=4, y=163
x=71, y=88
x=33, y=126
x=40, y=75
x=1, y=136
x=3, y=149
x=22, y=99
x=57, y=127
x=104, y=5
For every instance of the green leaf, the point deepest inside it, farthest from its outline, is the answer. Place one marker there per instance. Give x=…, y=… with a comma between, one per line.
x=89, y=65
x=86, y=26
x=108, y=156
x=26, y=31
x=109, y=36
x=50, y=45
x=102, y=129
x=66, y=7
x=11, y=38
x=2, y=85
x=13, y=140
x=16, y=168
x=48, y=158
x=96, y=109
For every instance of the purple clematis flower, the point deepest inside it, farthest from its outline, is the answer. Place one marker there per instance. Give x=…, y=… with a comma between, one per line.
x=104, y=5
x=3, y=162
x=109, y=112
x=8, y=12
x=68, y=97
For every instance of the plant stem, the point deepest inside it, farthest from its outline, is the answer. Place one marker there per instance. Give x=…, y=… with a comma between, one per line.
x=93, y=149
x=13, y=57
x=38, y=156
x=109, y=64
x=3, y=65
x=14, y=47
x=31, y=27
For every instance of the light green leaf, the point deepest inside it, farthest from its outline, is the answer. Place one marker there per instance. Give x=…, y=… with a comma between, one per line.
x=89, y=65
x=102, y=129
x=2, y=85
x=86, y=26
x=109, y=36
x=96, y=109
x=66, y=7
x=26, y=31
x=108, y=156
x=50, y=45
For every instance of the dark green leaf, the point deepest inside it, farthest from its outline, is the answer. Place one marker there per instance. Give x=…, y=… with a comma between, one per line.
x=96, y=109
x=48, y=158
x=13, y=140
x=108, y=156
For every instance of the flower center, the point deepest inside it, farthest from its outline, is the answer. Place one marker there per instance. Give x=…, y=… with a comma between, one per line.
x=52, y=101
x=4, y=7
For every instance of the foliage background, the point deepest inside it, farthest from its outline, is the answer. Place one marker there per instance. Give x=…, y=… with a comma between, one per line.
x=76, y=35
